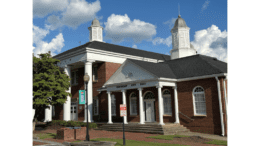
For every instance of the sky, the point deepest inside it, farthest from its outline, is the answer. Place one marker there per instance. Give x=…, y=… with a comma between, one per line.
x=60, y=25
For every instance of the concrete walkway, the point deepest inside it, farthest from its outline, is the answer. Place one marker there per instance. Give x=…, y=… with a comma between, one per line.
x=210, y=136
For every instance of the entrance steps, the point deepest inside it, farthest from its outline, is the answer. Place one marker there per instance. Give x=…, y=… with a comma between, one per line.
x=153, y=128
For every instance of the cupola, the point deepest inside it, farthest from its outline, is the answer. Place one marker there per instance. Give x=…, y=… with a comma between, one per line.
x=95, y=31
x=181, y=46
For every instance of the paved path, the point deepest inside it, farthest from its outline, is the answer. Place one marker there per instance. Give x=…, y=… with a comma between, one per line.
x=210, y=136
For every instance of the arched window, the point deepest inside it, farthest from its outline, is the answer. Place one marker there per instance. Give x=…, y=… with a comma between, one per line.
x=113, y=103
x=167, y=102
x=149, y=95
x=199, y=101
x=133, y=104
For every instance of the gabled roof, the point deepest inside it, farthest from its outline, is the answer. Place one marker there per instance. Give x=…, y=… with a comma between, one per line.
x=118, y=49
x=191, y=66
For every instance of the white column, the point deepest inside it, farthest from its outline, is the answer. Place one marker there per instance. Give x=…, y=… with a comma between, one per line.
x=160, y=105
x=109, y=108
x=88, y=70
x=67, y=104
x=220, y=108
x=124, y=102
x=176, y=106
x=48, y=114
x=141, y=108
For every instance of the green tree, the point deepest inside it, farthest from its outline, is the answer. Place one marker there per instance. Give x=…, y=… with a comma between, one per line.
x=48, y=81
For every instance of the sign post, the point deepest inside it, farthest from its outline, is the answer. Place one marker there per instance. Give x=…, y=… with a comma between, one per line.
x=122, y=114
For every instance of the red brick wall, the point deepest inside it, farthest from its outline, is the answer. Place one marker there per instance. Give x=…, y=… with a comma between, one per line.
x=210, y=123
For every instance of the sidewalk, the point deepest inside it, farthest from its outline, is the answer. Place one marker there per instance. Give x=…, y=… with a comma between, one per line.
x=210, y=136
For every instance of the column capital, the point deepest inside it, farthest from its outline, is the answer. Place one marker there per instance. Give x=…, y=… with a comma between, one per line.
x=67, y=66
x=159, y=86
x=88, y=61
x=109, y=92
x=140, y=89
x=123, y=90
x=174, y=87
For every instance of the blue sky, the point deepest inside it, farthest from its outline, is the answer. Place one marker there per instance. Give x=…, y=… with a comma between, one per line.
x=60, y=25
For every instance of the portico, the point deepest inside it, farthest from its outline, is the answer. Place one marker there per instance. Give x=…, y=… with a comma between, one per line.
x=146, y=102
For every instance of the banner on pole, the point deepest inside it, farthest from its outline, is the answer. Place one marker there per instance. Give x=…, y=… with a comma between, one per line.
x=122, y=110
x=82, y=97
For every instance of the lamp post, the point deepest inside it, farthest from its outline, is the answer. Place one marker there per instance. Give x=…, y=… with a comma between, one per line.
x=86, y=79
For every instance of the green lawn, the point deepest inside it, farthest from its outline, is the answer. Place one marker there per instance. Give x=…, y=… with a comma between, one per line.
x=47, y=135
x=166, y=137
x=217, y=142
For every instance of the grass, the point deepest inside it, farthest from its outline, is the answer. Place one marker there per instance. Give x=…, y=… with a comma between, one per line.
x=47, y=135
x=166, y=137
x=217, y=142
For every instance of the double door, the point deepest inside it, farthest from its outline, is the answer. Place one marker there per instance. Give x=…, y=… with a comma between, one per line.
x=74, y=111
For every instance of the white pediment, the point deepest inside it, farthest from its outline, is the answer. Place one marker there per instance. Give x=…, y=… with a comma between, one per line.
x=129, y=72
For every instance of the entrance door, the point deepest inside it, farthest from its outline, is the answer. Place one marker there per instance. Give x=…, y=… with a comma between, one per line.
x=74, y=111
x=149, y=111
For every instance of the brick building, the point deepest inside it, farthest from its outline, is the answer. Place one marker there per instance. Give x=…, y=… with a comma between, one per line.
x=183, y=87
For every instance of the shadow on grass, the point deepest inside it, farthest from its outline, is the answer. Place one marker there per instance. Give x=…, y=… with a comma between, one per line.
x=47, y=135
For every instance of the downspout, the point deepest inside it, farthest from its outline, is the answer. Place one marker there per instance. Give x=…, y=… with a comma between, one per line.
x=225, y=94
x=220, y=108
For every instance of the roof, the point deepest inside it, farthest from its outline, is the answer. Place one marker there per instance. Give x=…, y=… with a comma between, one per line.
x=180, y=22
x=191, y=66
x=118, y=49
x=95, y=22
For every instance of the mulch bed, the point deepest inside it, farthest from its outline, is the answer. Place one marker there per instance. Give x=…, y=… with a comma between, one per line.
x=38, y=143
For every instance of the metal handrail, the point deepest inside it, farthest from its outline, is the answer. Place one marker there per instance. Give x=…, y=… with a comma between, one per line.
x=186, y=116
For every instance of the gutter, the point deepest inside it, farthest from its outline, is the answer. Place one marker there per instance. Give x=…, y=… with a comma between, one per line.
x=220, y=107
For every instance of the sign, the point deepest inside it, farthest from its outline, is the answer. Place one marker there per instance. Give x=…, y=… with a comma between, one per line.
x=82, y=97
x=122, y=110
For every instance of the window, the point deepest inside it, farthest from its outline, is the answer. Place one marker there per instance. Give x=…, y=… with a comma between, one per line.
x=95, y=73
x=167, y=103
x=74, y=77
x=133, y=104
x=199, y=102
x=113, y=103
x=95, y=102
x=149, y=95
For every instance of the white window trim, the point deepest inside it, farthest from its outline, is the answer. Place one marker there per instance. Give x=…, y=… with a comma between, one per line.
x=96, y=100
x=194, y=105
x=113, y=96
x=132, y=114
x=166, y=96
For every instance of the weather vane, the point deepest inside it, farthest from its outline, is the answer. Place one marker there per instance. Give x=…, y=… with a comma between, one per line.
x=179, y=9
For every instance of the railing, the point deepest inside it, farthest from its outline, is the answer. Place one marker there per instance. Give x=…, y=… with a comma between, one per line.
x=186, y=116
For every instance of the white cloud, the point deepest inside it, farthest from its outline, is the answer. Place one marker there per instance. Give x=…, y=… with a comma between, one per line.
x=120, y=27
x=79, y=11
x=205, y=6
x=211, y=42
x=134, y=46
x=170, y=22
x=42, y=8
x=55, y=45
x=70, y=13
x=167, y=41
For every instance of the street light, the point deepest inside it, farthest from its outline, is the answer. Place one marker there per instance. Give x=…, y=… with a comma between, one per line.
x=86, y=79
